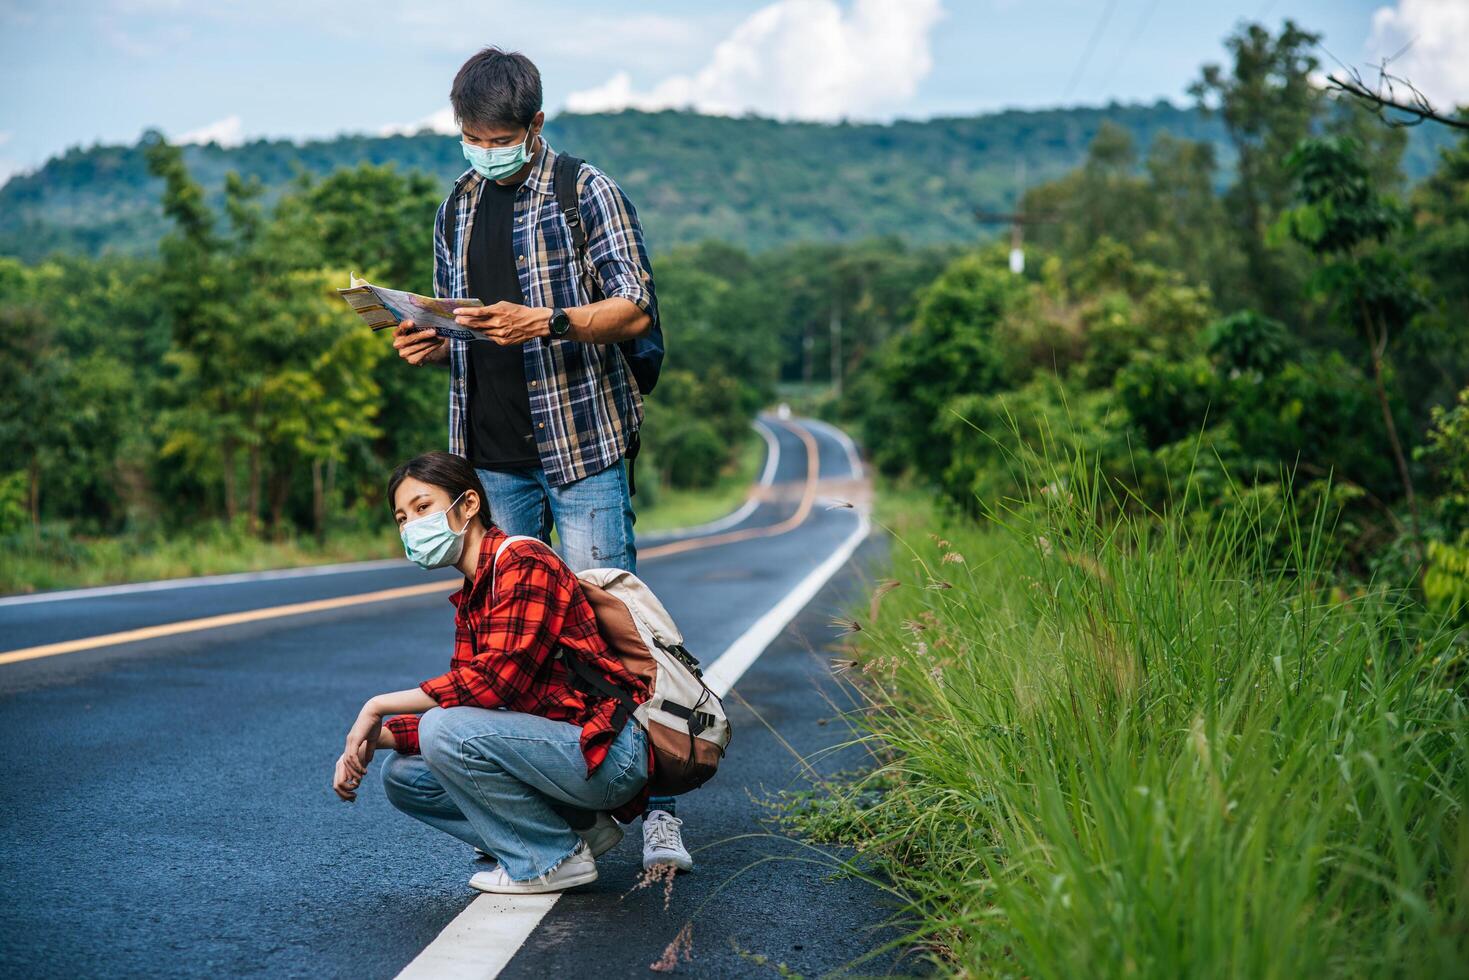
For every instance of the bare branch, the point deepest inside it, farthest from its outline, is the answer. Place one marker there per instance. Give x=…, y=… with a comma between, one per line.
x=1395, y=93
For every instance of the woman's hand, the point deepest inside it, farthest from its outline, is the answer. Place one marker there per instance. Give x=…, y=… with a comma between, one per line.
x=362, y=739
x=344, y=783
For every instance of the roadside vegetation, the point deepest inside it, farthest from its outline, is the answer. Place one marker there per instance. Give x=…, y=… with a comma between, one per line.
x=1169, y=679
x=1132, y=744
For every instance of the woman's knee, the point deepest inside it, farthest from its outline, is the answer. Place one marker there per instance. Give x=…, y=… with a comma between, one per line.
x=431, y=734
x=403, y=781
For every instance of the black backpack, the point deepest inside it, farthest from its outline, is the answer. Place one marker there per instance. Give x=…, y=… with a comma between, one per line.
x=644, y=355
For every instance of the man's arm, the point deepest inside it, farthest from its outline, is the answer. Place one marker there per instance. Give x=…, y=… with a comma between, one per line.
x=620, y=261
x=606, y=321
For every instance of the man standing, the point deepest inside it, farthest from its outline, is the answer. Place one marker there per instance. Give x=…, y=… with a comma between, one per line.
x=545, y=407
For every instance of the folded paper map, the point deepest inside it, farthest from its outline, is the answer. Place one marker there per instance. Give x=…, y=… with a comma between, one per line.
x=381, y=308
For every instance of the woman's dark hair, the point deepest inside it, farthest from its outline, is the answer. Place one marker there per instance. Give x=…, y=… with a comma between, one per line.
x=497, y=88
x=451, y=473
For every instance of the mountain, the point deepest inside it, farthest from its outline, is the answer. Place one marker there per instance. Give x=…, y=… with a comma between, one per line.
x=751, y=181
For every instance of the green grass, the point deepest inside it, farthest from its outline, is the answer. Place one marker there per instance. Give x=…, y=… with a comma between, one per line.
x=1131, y=746
x=672, y=508
x=59, y=561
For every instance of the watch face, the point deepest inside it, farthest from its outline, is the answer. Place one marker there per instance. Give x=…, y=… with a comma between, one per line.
x=560, y=323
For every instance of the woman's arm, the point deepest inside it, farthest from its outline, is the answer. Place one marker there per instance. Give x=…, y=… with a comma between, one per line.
x=367, y=733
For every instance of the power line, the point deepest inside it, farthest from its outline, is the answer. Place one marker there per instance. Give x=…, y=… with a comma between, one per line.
x=1091, y=46
x=1132, y=39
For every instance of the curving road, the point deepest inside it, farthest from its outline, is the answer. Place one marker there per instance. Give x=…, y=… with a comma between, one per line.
x=168, y=750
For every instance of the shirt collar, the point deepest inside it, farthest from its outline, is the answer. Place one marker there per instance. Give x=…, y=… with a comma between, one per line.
x=538, y=180
x=487, y=548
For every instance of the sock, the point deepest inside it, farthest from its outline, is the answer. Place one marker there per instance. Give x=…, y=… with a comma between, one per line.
x=664, y=803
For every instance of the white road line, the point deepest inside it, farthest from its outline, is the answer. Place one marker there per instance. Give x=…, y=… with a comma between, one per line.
x=486, y=935
x=743, y=652
x=767, y=477
x=854, y=459
x=481, y=939
x=202, y=580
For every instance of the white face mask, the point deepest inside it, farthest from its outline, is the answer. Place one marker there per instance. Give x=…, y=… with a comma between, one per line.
x=430, y=542
x=497, y=162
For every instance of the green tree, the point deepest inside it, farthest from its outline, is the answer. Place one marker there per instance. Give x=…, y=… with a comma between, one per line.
x=1343, y=220
x=1268, y=104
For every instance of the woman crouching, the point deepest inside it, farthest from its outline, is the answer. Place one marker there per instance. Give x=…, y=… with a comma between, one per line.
x=503, y=751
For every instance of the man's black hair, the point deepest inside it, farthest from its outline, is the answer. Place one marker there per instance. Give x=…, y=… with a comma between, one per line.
x=497, y=88
x=451, y=473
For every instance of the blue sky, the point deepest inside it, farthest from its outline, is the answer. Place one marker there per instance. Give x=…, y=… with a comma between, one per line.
x=82, y=71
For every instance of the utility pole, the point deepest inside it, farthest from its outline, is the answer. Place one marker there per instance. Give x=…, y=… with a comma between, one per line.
x=1017, y=222
x=836, y=345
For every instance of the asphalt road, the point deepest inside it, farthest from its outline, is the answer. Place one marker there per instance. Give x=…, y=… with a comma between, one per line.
x=167, y=808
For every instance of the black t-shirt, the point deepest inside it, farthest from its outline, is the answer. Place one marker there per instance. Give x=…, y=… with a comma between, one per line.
x=500, y=432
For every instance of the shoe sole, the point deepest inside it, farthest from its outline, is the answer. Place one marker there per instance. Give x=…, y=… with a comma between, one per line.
x=536, y=887
x=679, y=866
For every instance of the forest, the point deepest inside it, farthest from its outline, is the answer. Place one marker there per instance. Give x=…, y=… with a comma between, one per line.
x=751, y=182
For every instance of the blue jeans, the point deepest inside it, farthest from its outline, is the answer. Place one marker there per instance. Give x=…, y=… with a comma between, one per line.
x=494, y=778
x=594, y=517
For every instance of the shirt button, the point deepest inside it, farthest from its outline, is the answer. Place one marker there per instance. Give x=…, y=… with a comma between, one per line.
x=543, y=425
x=522, y=258
x=532, y=384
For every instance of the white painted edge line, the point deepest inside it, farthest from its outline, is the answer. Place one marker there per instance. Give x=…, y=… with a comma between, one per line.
x=767, y=477
x=737, y=658
x=854, y=458
x=483, y=939
x=199, y=581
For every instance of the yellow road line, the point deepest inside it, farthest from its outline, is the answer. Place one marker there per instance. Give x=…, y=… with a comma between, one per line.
x=808, y=498
x=813, y=473
x=228, y=619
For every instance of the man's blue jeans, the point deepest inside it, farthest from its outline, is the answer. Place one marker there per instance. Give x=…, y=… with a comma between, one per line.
x=593, y=516
x=491, y=778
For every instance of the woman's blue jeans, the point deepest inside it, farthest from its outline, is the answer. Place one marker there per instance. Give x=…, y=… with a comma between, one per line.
x=493, y=779
x=593, y=516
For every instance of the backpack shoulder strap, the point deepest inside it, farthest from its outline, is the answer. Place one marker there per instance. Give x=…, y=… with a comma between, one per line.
x=568, y=168
x=501, y=550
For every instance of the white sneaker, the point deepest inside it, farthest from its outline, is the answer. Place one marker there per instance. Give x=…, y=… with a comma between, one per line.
x=601, y=836
x=579, y=868
x=663, y=842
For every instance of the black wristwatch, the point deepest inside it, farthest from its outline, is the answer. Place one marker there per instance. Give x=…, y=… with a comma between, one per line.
x=560, y=323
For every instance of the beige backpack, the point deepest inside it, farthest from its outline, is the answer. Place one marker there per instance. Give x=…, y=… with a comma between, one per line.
x=684, y=720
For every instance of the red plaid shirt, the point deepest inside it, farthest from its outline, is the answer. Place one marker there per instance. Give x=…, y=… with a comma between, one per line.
x=503, y=646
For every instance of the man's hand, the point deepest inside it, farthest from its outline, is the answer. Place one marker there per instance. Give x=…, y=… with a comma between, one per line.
x=419, y=346
x=506, y=323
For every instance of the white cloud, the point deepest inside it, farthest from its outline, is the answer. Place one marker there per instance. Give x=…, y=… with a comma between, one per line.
x=797, y=59
x=1436, y=34
x=436, y=122
x=229, y=131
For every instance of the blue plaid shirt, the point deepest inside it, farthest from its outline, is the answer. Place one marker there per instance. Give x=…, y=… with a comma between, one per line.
x=584, y=404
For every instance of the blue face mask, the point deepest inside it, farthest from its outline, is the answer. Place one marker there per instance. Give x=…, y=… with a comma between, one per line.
x=497, y=163
x=430, y=542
